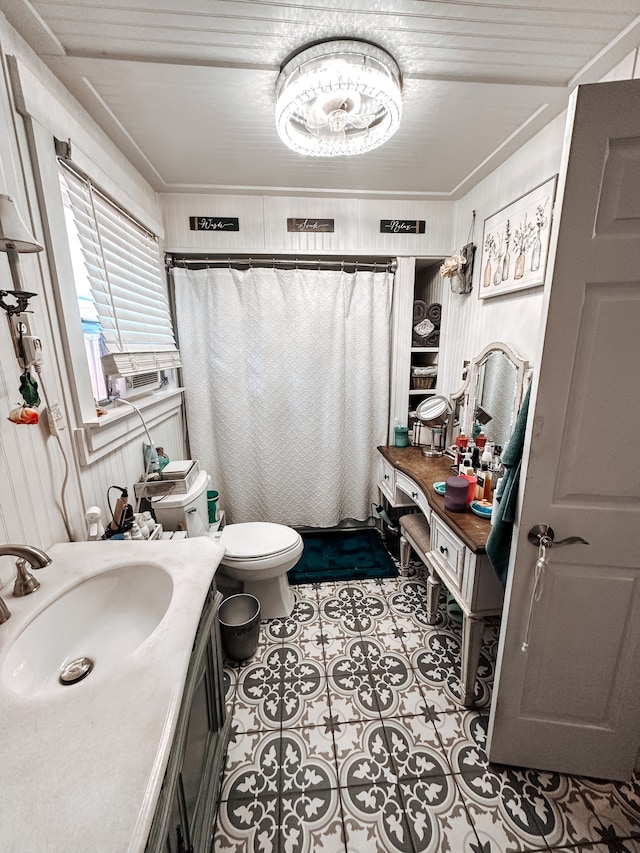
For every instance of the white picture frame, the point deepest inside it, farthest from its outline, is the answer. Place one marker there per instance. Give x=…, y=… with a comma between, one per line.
x=515, y=243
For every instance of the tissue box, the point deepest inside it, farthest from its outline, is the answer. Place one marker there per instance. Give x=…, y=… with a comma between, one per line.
x=173, y=484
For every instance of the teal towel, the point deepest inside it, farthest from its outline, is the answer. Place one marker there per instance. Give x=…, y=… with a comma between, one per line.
x=499, y=542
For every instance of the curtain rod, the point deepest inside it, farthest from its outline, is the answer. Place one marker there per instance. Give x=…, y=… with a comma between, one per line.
x=171, y=260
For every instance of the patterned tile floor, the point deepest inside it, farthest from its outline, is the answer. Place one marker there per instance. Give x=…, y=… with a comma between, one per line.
x=347, y=738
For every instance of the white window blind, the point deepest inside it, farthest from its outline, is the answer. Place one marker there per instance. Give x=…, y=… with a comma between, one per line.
x=126, y=278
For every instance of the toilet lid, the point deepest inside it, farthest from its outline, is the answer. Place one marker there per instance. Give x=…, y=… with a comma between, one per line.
x=257, y=539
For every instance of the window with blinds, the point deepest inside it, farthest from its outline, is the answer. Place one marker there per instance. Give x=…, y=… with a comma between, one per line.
x=120, y=283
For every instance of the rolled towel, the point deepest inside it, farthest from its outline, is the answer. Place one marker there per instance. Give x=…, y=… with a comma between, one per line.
x=434, y=313
x=424, y=328
x=433, y=340
x=419, y=311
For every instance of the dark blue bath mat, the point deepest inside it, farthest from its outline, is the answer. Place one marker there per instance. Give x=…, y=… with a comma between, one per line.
x=340, y=555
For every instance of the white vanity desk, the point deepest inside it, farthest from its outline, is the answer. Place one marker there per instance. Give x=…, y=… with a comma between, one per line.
x=457, y=555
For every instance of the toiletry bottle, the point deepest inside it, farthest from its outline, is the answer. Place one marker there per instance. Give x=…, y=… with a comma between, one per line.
x=475, y=457
x=496, y=465
x=461, y=446
x=466, y=464
x=163, y=459
x=487, y=455
x=481, y=477
x=122, y=513
x=495, y=502
x=487, y=483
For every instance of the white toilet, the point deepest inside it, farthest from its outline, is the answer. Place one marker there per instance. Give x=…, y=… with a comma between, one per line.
x=258, y=553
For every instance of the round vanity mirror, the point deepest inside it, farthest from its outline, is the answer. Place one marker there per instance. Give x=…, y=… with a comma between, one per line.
x=434, y=411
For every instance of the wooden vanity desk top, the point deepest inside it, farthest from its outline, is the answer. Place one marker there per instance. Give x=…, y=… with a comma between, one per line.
x=473, y=530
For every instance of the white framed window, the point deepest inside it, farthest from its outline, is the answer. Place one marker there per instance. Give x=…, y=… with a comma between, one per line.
x=120, y=286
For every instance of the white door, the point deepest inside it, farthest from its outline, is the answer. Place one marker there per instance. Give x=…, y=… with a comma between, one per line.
x=571, y=702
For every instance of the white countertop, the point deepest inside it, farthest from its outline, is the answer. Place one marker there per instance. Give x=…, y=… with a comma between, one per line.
x=81, y=766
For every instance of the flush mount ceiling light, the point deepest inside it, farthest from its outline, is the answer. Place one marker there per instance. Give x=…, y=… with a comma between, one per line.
x=338, y=98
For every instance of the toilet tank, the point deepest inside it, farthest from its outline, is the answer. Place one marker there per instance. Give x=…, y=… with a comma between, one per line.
x=185, y=512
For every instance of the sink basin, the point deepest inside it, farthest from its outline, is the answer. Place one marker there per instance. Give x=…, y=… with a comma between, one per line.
x=103, y=618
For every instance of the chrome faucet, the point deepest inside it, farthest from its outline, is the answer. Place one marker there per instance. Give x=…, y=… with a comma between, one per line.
x=25, y=581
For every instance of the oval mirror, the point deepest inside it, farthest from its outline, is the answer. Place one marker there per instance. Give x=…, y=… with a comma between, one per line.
x=434, y=411
x=490, y=397
x=495, y=393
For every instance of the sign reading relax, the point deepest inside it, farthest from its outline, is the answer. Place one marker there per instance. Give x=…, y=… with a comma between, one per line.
x=402, y=226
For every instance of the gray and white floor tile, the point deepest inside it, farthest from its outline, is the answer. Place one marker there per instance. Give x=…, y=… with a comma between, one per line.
x=348, y=737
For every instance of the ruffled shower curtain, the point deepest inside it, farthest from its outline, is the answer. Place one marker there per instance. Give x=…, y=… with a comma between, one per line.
x=287, y=378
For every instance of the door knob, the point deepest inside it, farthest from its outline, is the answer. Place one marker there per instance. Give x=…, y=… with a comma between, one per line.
x=543, y=537
x=542, y=534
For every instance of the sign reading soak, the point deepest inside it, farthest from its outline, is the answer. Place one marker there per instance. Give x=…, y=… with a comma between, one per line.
x=324, y=226
x=402, y=226
x=214, y=223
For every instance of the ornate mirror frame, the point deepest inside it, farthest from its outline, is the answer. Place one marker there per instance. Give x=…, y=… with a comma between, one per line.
x=464, y=400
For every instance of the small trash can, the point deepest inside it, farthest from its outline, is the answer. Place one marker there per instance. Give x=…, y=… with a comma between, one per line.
x=239, y=618
x=212, y=500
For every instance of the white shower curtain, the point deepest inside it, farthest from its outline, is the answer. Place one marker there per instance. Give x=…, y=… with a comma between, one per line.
x=287, y=378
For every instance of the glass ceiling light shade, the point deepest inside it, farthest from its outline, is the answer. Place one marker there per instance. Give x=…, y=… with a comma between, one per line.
x=338, y=98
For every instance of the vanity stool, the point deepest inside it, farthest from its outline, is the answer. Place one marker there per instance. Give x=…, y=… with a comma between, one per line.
x=414, y=533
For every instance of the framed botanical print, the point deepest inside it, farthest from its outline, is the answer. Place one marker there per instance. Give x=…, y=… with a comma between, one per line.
x=515, y=243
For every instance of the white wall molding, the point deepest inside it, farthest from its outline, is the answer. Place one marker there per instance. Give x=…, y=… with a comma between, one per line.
x=104, y=435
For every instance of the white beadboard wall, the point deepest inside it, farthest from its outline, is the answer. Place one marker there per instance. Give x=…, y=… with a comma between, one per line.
x=470, y=323
x=263, y=226
x=32, y=467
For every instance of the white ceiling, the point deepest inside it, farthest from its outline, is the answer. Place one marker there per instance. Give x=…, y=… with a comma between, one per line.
x=186, y=87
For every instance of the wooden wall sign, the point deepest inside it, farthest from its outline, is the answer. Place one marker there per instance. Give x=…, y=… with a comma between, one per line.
x=214, y=223
x=324, y=226
x=402, y=226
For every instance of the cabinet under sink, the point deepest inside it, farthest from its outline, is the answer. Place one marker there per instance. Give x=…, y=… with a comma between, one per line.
x=185, y=813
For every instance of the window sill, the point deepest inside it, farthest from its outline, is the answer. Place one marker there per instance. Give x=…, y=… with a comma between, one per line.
x=100, y=436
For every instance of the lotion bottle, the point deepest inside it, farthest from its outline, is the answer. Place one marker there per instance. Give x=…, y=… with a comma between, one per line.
x=466, y=464
x=482, y=475
x=487, y=484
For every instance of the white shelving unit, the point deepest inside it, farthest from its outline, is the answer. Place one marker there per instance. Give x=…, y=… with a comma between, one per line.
x=416, y=278
x=426, y=288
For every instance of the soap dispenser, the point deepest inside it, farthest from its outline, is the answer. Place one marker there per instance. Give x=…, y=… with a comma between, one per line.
x=95, y=529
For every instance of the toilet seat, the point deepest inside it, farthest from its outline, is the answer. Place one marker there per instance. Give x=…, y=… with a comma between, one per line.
x=255, y=540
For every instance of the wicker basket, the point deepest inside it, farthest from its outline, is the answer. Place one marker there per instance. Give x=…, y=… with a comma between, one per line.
x=421, y=383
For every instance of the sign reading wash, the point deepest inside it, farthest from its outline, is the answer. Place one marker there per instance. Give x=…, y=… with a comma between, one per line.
x=214, y=223
x=402, y=226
